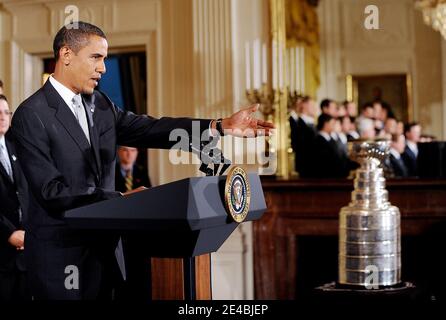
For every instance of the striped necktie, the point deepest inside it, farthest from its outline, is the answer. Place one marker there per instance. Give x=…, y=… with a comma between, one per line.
x=129, y=180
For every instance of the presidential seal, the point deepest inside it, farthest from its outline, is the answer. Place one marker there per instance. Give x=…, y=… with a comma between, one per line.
x=237, y=194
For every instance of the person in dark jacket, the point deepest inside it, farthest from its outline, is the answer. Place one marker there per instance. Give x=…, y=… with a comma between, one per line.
x=13, y=206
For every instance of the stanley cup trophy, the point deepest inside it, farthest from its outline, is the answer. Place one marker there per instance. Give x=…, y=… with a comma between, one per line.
x=369, y=227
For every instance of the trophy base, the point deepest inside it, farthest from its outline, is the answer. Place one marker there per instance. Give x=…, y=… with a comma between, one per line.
x=397, y=286
x=347, y=294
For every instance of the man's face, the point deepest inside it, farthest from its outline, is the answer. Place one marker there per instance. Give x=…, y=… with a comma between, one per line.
x=329, y=126
x=309, y=108
x=5, y=117
x=390, y=126
x=352, y=111
x=400, y=144
x=369, y=113
x=87, y=66
x=346, y=124
x=333, y=109
x=414, y=134
x=127, y=155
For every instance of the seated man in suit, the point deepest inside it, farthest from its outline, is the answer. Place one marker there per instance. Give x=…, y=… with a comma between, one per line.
x=396, y=165
x=67, y=134
x=130, y=176
x=13, y=205
x=412, y=131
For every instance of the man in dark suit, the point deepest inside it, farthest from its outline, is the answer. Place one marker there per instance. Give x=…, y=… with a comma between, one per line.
x=67, y=134
x=328, y=161
x=397, y=166
x=303, y=132
x=412, y=131
x=13, y=205
x=129, y=175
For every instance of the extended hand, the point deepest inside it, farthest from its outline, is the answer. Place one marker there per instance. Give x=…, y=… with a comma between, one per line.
x=17, y=239
x=244, y=124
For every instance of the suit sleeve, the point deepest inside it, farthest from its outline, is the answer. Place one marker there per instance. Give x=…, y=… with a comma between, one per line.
x=148, y=132
x=6, y=228
x=54, y=193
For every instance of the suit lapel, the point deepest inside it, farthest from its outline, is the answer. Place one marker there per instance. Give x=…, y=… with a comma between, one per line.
x=67, y=119
x=410, y=153
x=4, y=173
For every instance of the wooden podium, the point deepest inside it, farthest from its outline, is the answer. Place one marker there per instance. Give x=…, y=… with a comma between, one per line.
x=182, y=222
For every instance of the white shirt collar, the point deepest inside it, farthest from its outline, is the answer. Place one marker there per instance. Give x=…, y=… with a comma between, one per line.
x=395, y=153
x=307, y=119
x=412, y=146
x=354, y=134
x=342, y=137
x=325, y=135
x=66, y=94
x=334, y=136
x=294, y=115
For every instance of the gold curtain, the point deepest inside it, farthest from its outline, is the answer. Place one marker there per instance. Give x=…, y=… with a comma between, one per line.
x=302, y=28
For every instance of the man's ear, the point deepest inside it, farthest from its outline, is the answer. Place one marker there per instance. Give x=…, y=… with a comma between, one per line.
x=65, y=55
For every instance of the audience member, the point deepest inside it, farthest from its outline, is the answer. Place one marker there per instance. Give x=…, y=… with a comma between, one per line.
x=303, y=132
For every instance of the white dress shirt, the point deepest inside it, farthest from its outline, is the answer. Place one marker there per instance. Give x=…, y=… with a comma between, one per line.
x=395, y=153
x=294, y=115
x=325, y=135
x=413, y=146
x=307, y=119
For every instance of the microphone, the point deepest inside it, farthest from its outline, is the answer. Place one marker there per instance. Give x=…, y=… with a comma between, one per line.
x=208, y=153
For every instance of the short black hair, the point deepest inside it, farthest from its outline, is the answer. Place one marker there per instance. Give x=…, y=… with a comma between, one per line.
x=322, y=120
x=325, y=103
x=2, y=97
x=75, y=36
x=409, y=126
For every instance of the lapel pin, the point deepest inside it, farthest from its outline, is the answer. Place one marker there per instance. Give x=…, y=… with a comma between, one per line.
x=14, y=157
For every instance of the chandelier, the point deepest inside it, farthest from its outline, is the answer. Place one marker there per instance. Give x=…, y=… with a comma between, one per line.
x=434, y=14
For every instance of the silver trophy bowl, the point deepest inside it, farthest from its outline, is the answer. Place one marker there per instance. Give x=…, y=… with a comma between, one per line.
x=369, y=227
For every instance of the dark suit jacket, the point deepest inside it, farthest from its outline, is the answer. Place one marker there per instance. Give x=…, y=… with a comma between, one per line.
x=410, y=161
x=140, y=178
x=302, y=141
x=65, y=172
x=398, y=167
x=328, y=160
x=13, y=195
